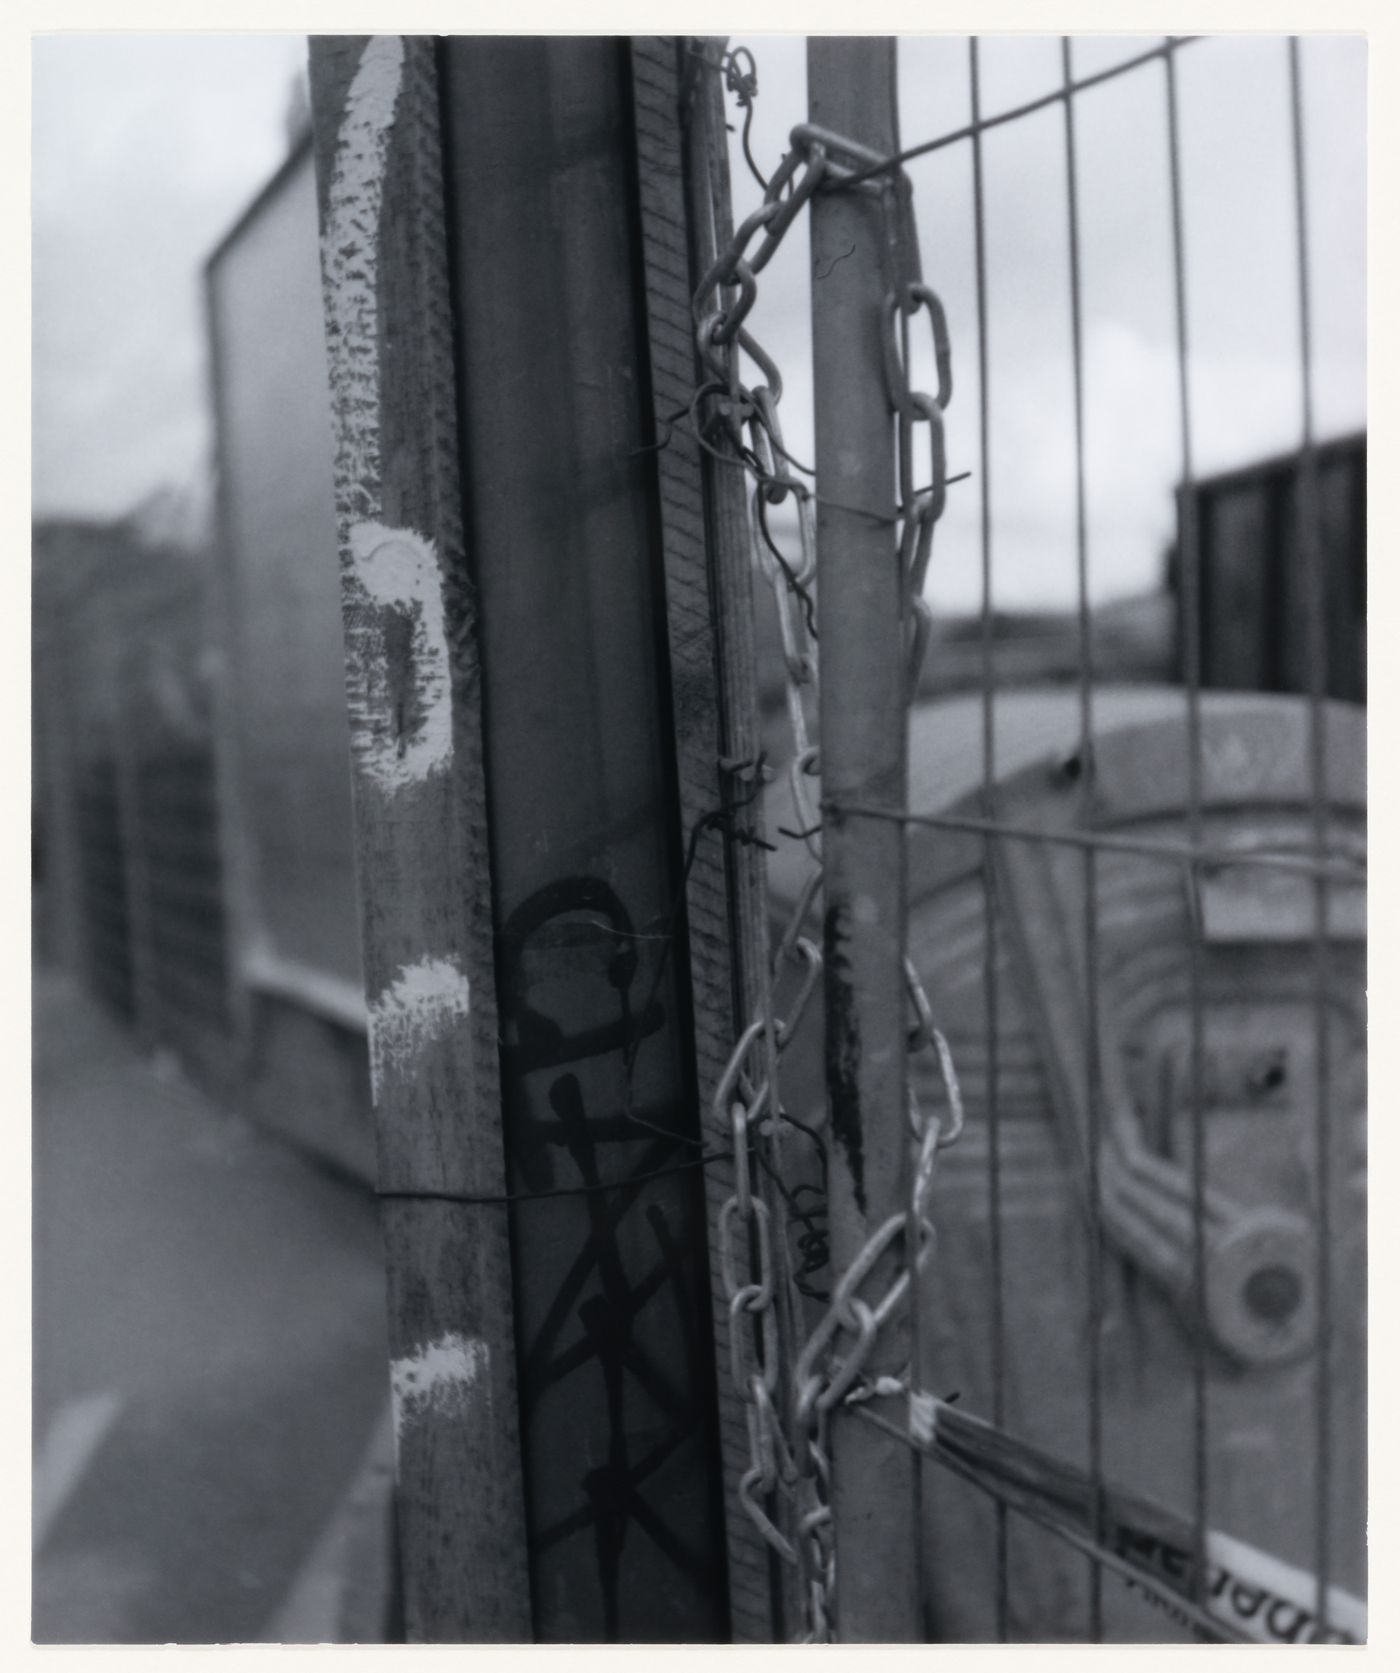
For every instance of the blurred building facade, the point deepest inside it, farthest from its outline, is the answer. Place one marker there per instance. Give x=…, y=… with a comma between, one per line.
x=128, y=852
x=192, y=815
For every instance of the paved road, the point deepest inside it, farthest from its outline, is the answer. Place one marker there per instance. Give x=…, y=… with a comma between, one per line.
x=209, y=1359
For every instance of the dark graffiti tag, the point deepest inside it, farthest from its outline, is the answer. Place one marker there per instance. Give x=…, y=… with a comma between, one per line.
x=843, y=1049
x=1256, y=1610
x=571, y=970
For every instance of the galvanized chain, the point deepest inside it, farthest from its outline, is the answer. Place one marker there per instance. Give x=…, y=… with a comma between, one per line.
x=791, y=1458
x=920, y=508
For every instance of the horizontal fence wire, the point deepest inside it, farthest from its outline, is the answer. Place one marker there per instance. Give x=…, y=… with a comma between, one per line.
x=1149, y=848
x=982, y=124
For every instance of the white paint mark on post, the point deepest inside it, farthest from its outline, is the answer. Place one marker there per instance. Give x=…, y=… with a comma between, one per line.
x=440, y=1379
x=420, y=1006
x=400, y=696
x=350, y=257
x=397, y=668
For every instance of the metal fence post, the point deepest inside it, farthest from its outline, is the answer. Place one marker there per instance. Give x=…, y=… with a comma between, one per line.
x=864, y=747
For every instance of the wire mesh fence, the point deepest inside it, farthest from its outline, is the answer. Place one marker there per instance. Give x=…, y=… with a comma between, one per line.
x=1137, y=924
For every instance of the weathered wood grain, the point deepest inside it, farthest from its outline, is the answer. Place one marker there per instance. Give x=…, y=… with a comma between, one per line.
x=413, y=686
x=684, y=202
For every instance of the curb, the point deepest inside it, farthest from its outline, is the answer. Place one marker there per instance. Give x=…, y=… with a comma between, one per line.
x=346, y=1590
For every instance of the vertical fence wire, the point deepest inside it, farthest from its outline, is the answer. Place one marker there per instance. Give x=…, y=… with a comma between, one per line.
x=1092, y=1043
x=1315, y=613
x=990, y=990
x=1189, y=570
x=922, y=1598
x=1096, y=1036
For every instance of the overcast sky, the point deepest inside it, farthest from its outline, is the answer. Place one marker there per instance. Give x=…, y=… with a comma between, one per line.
x=146, y=148
x=1242, y=284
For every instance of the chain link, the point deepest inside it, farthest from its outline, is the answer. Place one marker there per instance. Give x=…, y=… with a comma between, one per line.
x=920, y=508
x=791, y=1460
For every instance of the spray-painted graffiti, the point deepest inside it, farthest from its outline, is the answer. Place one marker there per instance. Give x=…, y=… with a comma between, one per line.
x=572, y=969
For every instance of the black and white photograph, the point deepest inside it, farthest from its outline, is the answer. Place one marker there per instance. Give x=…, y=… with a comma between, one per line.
x=698, y=801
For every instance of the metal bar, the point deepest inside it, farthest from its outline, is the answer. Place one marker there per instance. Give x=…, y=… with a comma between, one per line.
x=413, y=677
x=990, y=986
x=1172, y=853
x=1310, y=560
x=980, y=125
x=1190, y=571
x=864, y=743
x=621, y=1455
x=1092, y=1047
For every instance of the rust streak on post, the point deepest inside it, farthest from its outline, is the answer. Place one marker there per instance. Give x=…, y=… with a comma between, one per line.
x=864, y=748
x=413, y=682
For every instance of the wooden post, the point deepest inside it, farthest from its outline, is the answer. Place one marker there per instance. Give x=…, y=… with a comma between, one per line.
x=413, y=680
x=683, y=182
x=864, y=755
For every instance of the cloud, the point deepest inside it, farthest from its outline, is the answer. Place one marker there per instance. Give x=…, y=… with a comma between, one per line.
x=145, y=148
